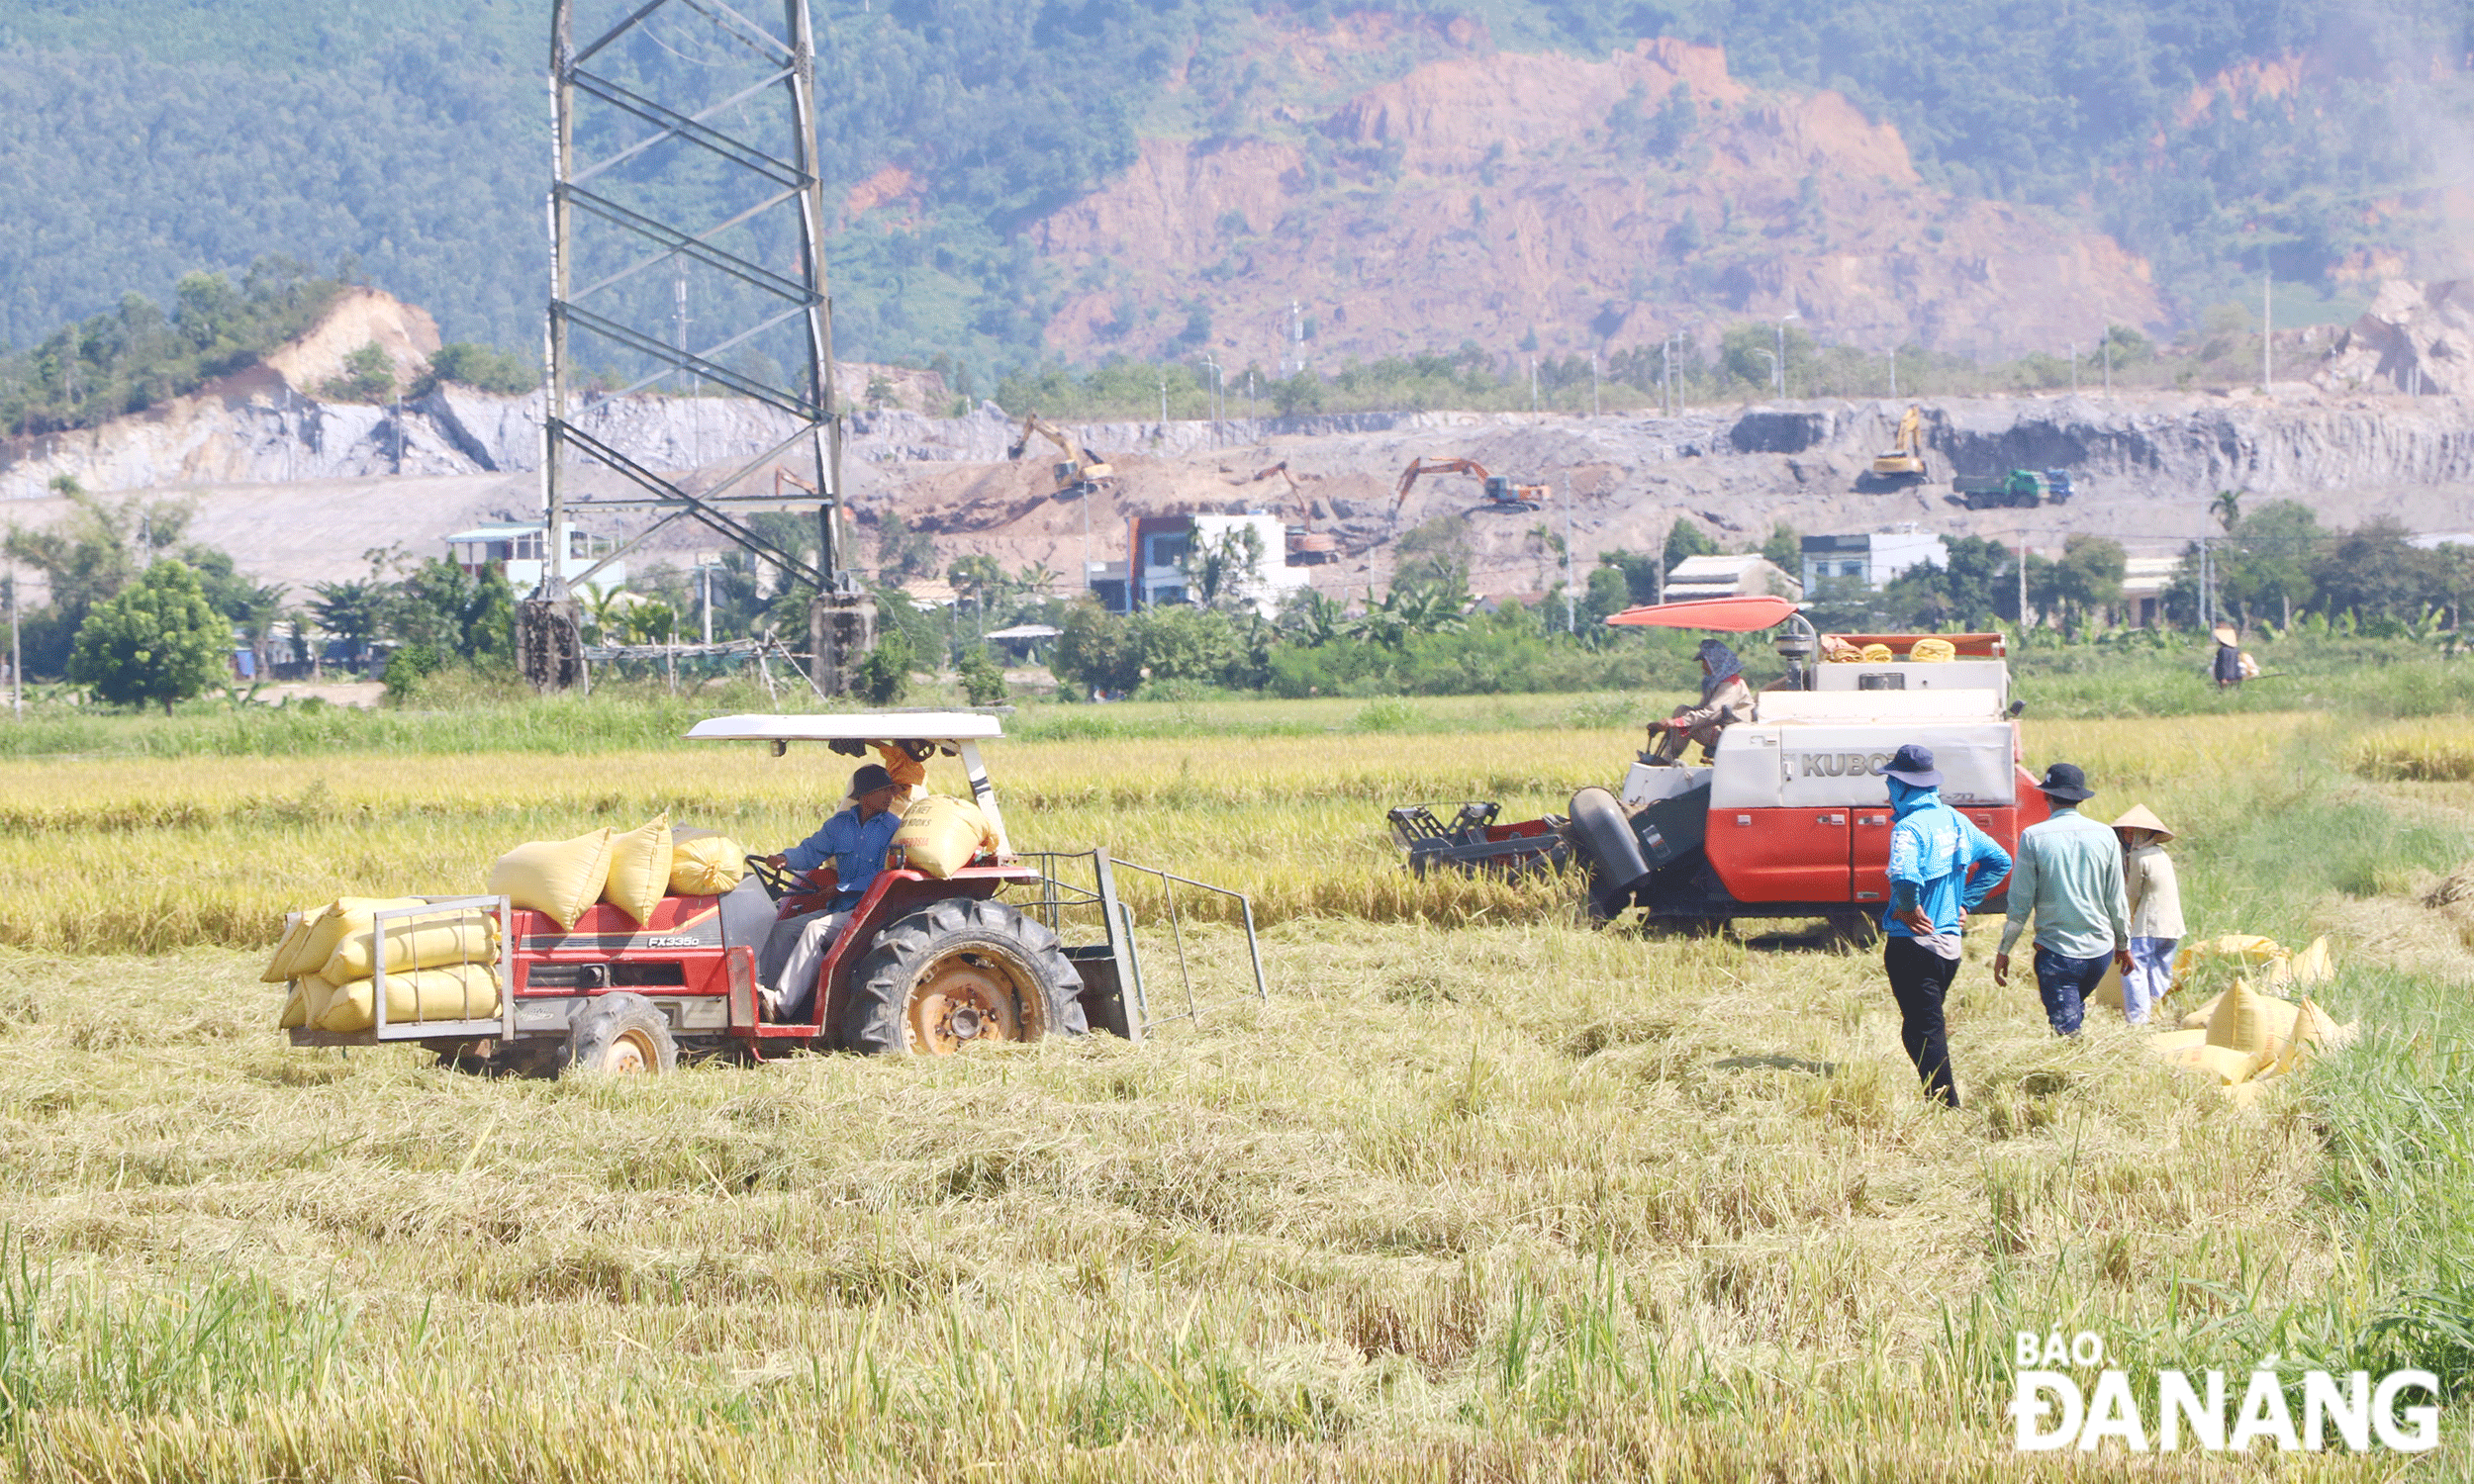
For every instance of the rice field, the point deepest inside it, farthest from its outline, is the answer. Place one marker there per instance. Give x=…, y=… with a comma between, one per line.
x=1477, y=1193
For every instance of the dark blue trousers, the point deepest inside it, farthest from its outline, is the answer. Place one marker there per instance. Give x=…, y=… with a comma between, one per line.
x=2064, y=984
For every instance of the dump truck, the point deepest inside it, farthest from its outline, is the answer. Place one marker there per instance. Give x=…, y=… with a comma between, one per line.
x=2019, y=488
x=1791, y=818
x=1012, y=947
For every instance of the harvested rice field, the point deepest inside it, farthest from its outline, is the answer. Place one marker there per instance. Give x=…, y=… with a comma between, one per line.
x=1476, y=1192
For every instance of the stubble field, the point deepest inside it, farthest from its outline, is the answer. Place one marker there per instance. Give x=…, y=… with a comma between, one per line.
x=1477, y=1192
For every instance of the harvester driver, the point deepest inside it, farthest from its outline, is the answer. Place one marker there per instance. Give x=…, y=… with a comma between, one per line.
x=854, y=841
x=1725, y=700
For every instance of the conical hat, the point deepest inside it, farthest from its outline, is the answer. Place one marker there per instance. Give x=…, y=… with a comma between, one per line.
x=2225, y=634
x=2139, y=817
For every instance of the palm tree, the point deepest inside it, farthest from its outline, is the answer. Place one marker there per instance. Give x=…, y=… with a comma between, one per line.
x=2228, y=509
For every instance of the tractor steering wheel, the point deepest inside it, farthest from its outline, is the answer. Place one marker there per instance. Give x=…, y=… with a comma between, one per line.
x=778, y=880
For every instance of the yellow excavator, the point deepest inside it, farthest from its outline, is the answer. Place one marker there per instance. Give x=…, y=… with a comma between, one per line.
x=1307, y=547
x=1079, y=472
x=1903, y=461
x=1500, y=492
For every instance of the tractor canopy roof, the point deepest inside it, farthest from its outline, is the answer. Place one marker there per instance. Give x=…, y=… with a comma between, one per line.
x=851, y=726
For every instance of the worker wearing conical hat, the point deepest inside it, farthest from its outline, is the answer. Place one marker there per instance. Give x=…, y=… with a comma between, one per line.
x=1725, y=700
x=2228, y=662
x=2155, y=903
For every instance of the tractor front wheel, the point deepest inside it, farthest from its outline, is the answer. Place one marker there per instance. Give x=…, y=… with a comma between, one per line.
x=623, y=1034
x=961, y=972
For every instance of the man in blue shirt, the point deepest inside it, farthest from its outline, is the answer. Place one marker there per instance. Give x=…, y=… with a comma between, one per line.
x=1941, y=866
x=853, y=842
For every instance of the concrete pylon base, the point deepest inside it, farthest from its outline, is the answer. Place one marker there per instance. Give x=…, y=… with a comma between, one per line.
x=549, y=645
x=841, y=629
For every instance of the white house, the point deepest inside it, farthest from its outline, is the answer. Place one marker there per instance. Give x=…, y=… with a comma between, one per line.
x=1876, y=558
x=518, y=545
x=1753, y=576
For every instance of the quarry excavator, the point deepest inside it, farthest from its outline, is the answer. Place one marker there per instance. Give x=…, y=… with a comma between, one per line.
x=1081, y=472
x=1902, y=463
x=1308, y=546
x=1501, y=493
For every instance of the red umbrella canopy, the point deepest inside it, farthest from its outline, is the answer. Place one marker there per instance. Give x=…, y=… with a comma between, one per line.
x=1726, y=615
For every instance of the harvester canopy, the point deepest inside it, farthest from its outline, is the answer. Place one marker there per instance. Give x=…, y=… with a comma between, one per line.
x=851, y=726
x=1726, y=616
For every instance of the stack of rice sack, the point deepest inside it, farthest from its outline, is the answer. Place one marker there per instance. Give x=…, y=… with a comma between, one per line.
x=439, y=967
x=2247, y=1036
x=443, y=966
x=631, y=870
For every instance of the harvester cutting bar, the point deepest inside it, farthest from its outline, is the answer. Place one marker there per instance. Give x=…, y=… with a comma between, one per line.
x=1473, y=841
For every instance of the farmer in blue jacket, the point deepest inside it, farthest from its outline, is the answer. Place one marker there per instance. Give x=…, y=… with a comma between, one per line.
x=1941, y=866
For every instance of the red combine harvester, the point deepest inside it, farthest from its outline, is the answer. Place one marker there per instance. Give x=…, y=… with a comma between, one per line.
x=1791, y=817
x=925, y=966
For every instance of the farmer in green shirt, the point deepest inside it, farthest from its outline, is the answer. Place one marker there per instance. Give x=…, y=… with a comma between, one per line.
x=2069, y=876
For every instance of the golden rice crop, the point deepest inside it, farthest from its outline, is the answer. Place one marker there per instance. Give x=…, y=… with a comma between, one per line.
x=1511, y=1199
x=2437, y=750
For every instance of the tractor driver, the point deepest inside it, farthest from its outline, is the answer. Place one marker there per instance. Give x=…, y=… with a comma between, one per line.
x=1725, y=700
x=854, y=841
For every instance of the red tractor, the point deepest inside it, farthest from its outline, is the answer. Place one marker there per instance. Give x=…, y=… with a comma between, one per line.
x=1790, y=818
x=925, y=967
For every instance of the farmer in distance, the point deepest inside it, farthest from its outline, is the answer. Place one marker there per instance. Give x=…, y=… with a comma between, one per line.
x=1725, y=700
x=1941, y=866
x=854, y=841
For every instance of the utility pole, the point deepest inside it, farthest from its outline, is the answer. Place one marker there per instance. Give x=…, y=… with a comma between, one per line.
x=1164, y=407
x=1894, y=373
x=1782, y=349
x=1571, y=623
x=1666, y=376
x=1533, y=383
x=2107, y=344
x=1593, y=389
x=2075, y=368
x=17, y=657
x=2023, y=584
x=2267, y=326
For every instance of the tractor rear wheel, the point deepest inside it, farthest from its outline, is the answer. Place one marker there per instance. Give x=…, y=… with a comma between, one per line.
x=623, y=1034
x=960, y=971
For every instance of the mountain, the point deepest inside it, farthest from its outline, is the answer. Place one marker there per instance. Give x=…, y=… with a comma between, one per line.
x=1073, y=178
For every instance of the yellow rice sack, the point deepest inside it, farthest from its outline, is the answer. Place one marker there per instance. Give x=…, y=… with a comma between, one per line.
x=295, y=1012
x=640, y=869
x=464, y=937
x=346, y=916
x=704, y=863
x=2249, y=950
x=2226, y=1065
x=466, y=992
x=1932, y=652
x=2108, y=994
x=557, y=877
x=286, y=963
x=939, y=835
x=2243, y=1020
x=2197, y=1020
x=1877, y=654
x=2172, y=1044
x=315, y=993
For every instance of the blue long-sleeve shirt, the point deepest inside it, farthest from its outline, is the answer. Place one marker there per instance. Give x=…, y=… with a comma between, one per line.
x=855, y=846
x=1939, y=861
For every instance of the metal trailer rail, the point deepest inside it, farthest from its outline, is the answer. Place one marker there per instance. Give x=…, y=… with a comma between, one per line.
x=501, y=1026
x=1059, y=895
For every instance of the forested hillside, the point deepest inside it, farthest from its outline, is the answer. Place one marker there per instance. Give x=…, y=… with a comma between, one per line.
x=150, y=138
